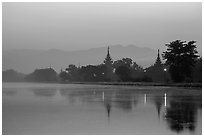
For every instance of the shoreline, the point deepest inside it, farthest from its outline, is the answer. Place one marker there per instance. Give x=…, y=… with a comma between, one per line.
x=188, y=85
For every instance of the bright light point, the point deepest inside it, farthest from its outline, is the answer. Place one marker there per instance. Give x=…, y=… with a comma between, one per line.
x=103, y=96
x=165, y=69
x=145, y=99
x=165, y=99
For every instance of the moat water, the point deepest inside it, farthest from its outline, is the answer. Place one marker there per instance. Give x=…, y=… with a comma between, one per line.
x=33, y=108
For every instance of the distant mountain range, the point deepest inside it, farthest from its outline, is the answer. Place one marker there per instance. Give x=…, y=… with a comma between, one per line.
x=26, y=61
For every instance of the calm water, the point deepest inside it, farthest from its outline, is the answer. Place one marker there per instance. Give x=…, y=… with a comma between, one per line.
x=95, y=109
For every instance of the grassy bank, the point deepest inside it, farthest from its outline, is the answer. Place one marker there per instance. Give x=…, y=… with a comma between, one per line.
x=190, y=85
x=197, y=85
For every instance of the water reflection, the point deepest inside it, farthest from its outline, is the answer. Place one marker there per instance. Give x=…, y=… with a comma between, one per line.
x=80, y=96
x=44, y=92
x=165, y=99
x=181, y=113
x=124, y=102
x=9, y=91
x=108, y=107
x=107, y=103
x=145, y=99
x=138, y=109
x=158, y=100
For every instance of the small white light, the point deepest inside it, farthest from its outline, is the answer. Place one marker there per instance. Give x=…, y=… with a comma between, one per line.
x=165, y=69
x=165, y=99
x=103, y=96
x=145, y=99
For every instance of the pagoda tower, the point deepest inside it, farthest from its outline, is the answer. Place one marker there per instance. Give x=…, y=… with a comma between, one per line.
x=108, y=60
x=109, y=64
x=158, y=60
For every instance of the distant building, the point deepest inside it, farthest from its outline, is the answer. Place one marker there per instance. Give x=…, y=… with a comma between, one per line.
x=108, y=60
x=109, y=66
x=157, y=71
x=158, y=61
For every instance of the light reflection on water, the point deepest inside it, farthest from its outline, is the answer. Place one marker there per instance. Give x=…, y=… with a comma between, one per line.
x=94, y=109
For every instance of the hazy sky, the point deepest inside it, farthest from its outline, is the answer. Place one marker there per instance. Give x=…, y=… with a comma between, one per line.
x=75, y=26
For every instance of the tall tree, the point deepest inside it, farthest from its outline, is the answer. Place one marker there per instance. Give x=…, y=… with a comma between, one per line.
x=64, y=76
x=73, y=73
x=137, y=67
x=124, y=73
x=43, y=75
x=197, y=71
x=181, y=57
x=124, y=62
x=123, y=69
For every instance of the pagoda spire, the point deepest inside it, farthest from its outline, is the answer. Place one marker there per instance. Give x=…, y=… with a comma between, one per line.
x=109, y=66
x=108, y=51
x=108, y=59
x=158, y=60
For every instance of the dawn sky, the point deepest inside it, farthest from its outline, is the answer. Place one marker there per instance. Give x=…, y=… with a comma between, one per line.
x=76, y=26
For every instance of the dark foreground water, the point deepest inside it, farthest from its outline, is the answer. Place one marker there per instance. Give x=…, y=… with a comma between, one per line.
x=98, y=109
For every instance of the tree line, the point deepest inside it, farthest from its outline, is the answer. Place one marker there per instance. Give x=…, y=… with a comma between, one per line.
x=182, y=64
x=123, y=70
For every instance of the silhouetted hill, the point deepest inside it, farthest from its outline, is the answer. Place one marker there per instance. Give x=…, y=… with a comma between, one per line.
x=27, y=61
x=42, y=75
x=12, y=76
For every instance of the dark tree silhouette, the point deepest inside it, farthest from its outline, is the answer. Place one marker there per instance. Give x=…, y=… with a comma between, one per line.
x=73, y=73
x=64, y=76
x=137, y=67
x=123, y=69
x=43, y=75
x=127, y=70
x=101, y=72
x=88, y=73
x=124, y=62
x=197, y=71
x=181, y=57
x=12, y=76
x=124, y=73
